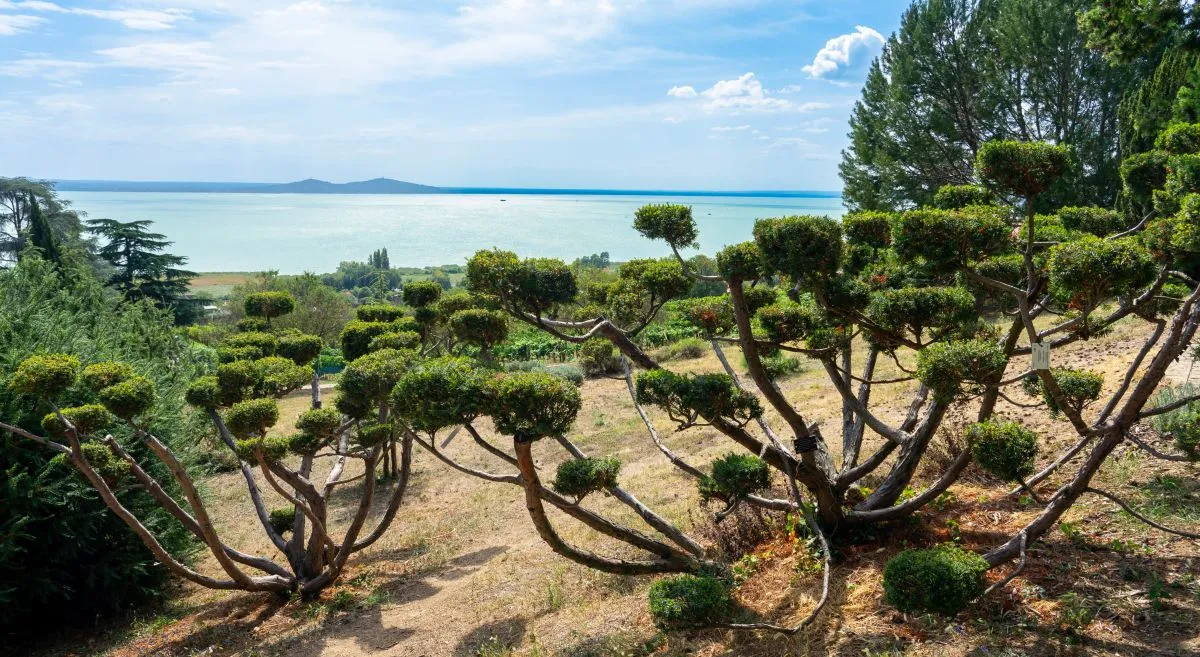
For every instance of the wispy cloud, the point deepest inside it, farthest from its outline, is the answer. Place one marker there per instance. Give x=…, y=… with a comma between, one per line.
x=11, y=24
x=134, y=19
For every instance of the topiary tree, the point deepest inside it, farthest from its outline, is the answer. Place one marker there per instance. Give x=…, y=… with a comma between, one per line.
x=239, y=399
x=967, y=292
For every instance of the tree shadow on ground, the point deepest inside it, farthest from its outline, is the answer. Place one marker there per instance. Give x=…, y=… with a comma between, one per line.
x=500, y=634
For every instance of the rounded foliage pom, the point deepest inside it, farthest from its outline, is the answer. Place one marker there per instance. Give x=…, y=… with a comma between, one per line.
x=1097, y=221
x=742, y=262
x=372, y=377
x=105, y=463
x=788, y=321
x=662, y=279
x=86, y=419
x=396, y=340
x=234, y=354
x=953, y=197
x=807, y=248
x=482, y=328
x=322, y=422
x=871, y=229
x=533, y=285
x=598, y=356
x=379, y=312
x=1088, y=271
x=251, y=325
x=272, y=449
x=735, y=476
x=269, y=305
x=916, y=309
x=689, y=601
x=420, y=294
x=252, y=417
x=530, y=406
x=759, y=297
x=439, y=393
x=669, y=222
x=283, y=519
x=452, y=302
x=301, y=349
x=46, y=375
x=1179, y=139
x=99, y=376
x=205, y=392
x=578, y=477
x=1143, y=173
x=943, y=579
x=373, y=434
x=278, y=376
x=265, y=343
x=357, y=336
x=945, y=366
x=948, y=239
x=1078, y=387
x=1005, y=449
x=1022, y=168
x=711, y=315
x=687, y=396
x=128, y=398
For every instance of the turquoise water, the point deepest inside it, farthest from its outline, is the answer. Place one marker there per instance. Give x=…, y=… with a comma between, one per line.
x=294, y=233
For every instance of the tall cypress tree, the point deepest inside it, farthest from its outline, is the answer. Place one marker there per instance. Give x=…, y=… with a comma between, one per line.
x=41, y=235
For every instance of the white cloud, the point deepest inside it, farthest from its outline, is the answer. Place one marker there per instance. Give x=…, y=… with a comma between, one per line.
x=682, y=92
x=838, y=53
x=165, y=56
x=789, y=89
x=729, y=128
x=13, y=23
x=134, y=19
x=670, y=119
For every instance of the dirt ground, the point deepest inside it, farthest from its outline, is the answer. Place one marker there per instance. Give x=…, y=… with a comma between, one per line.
x=462, y=573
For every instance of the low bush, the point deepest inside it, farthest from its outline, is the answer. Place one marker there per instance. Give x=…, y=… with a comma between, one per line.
x=1005, y=449
x=579, y=477
x=689, y=601
x=684, y=349
x=598, y=357
x=943, y=579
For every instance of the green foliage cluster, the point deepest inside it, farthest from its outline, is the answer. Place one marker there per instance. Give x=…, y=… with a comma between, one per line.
x=946, y=366
x=440, y=393
x=482, y=328
x=689, y=601
x=1089, y=270
x=252, y=417
x=948, y=239
x=870, y=229
x=734, y=476
x=742, y=262
x=916, y=309
x=1100, y=222
x=579, y=477
x=598, y=357
x=269, y=305
x=1079, y=388
x=687, y=396
x=1181, y=424
x=1021, y=168
x=532, y=285
x=530, y=406
x=943, y=579
x=1003, y=448
x=421, y=294
x=669, y=222
x=806, y=248
x=955, y=197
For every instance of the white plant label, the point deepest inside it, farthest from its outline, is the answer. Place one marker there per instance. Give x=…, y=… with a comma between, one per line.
x=1041, y=356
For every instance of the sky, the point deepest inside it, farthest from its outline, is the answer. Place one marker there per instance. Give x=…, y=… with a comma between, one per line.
x=625, y=94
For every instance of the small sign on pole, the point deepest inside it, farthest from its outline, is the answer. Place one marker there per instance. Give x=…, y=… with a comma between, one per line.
x=1041, y=355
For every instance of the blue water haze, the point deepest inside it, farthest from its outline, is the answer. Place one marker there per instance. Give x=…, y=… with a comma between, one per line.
x=294, y=233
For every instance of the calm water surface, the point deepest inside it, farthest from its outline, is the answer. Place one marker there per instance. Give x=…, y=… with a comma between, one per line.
x=314, y=232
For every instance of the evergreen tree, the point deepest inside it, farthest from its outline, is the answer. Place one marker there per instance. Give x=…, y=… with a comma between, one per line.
x=41, y=235
x=17, y=199
x=959, y=73
x=142, y=269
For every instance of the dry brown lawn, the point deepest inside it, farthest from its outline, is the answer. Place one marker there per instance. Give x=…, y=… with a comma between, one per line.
x=463, y=574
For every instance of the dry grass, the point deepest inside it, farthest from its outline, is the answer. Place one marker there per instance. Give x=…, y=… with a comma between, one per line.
x=219, y=284
x=462, y=569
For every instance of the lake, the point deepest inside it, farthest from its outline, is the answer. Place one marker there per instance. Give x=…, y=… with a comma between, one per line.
x=294, y=233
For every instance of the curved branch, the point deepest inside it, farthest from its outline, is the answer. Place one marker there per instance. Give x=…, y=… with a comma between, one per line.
x=1128, y=509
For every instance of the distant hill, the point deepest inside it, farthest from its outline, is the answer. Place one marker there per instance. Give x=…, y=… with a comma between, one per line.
x=373, y=186
x=309, y=186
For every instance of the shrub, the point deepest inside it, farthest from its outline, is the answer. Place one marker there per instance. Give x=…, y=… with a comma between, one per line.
x=252, y=417
x=1179, y=139
x=251, y=324
x=1142, y=173
x=357, y=336
x=953, y=197
x=948, y=239
x=807, y=248
x=1078, y=387
x=421, y=294
x=300, y=349
x=482, y=328
x=1023, y=168
x=945, y=366
x=1183, y=424
x=45, y=376
x=373, y=434
x=1005, y=449
x=1097, y=221
x=283, y=519
x=780, y=366
x=378, y=312
x=871, y=229
x=322, y=422
x=686, y=348
x=742, y=262
x=686, y=396
x=598, y=357
x=689, y=601
x=86, y=419
x=735, y=476
x=269, y=305
x=788, y=321
x=439, y=393
x=530, y=406
x=565, y=371
x=129, y=398
x=943, y=579
x=396, y=340
x=709, y=315
x=98, y=376
x=916, y=309
x=579, y=477
x=264, y=343
x=669, y=222
x=1089, y=270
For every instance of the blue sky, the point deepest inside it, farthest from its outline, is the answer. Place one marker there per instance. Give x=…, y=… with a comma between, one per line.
x=663, y=94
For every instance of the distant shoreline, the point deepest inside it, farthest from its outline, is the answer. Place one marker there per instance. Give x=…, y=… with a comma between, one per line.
x=389, y=187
